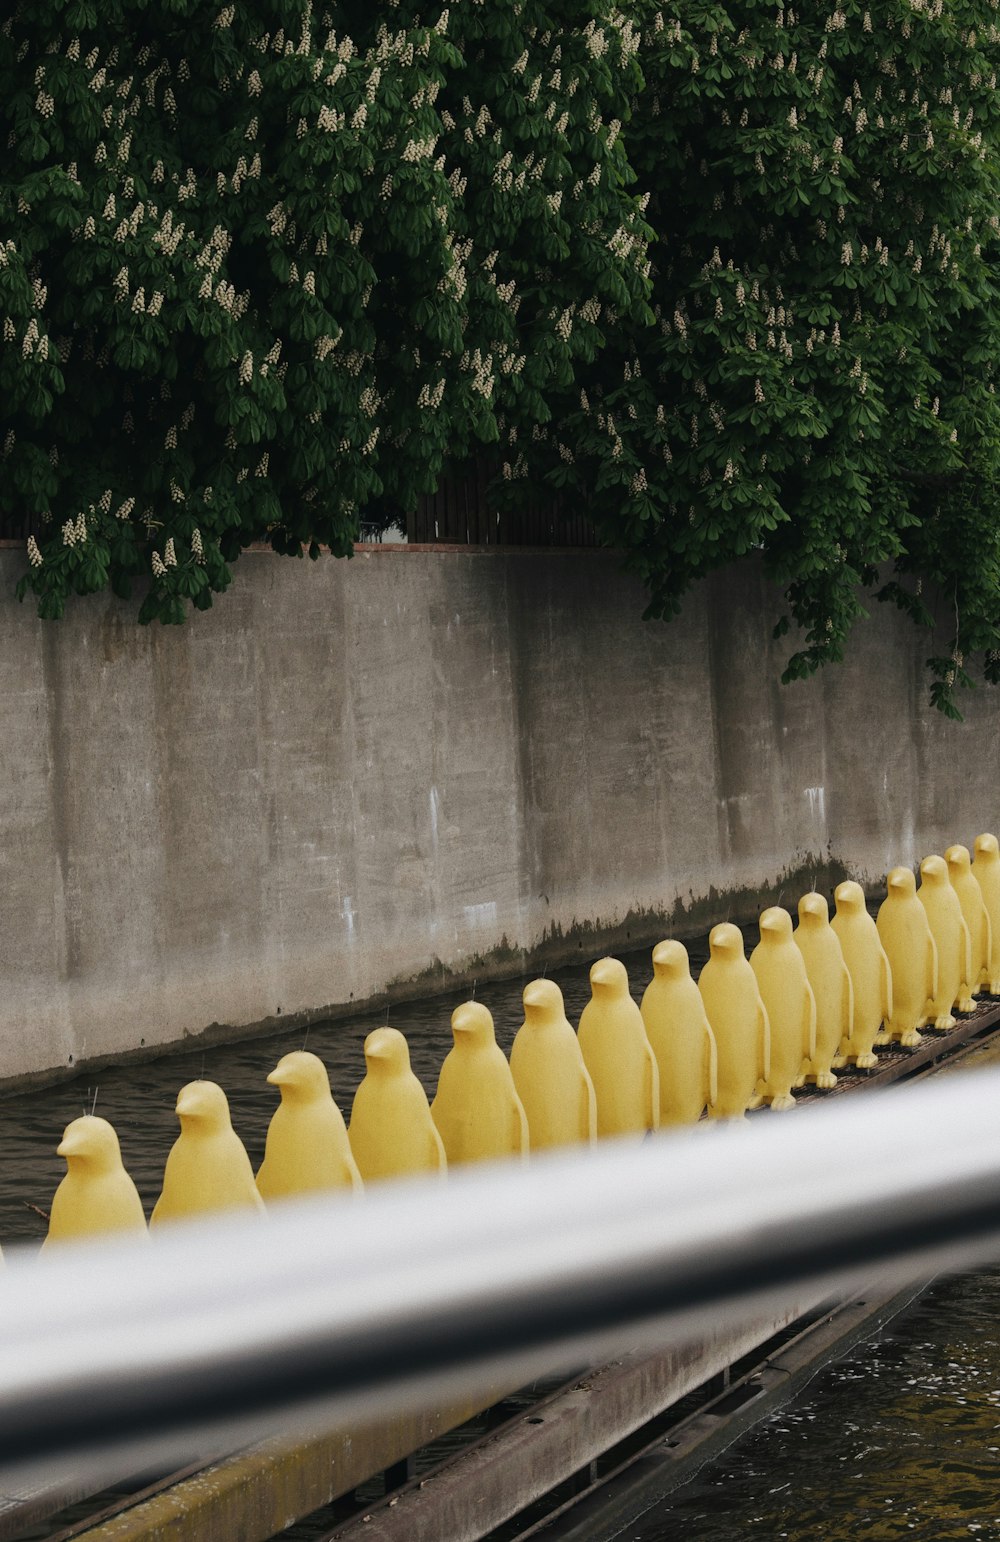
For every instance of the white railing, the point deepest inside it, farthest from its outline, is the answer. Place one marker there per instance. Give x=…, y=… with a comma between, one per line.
x=223, y=1330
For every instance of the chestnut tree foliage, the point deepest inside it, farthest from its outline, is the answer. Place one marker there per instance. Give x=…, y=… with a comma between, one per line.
x=722, y=274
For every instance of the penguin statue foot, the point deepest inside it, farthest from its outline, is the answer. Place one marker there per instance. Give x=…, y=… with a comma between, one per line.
x=866, y=1062
x=925, y=1021
x=782, y=1101
x=825, y=1080
x=910, y=1038
x=882, y=1037
x=943, y=1023
x=801, y=1080
x=994, y=987
x=757, y=1101
x=967, y=1004
x=839, y=1060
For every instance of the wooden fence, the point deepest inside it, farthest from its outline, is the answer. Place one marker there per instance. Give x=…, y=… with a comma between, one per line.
x=460, y=512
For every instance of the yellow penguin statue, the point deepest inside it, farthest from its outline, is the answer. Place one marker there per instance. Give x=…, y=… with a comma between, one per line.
x=477, y=1111
x=307, y=1147
x=947, y=923
x=682, y=1040
x=868, y=967
x=548, y=1070
x=738, y=1019
x=977, y=919
x=830, y=980
x=208, y=1168
x=909, y=945
x=391, y=1130
x=618, y=1054
x=791, y=1007
x=97, y=1195
x=986, y=869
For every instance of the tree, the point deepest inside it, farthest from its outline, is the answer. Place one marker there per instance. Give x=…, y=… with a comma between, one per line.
x=265, y=268
x=820, y=382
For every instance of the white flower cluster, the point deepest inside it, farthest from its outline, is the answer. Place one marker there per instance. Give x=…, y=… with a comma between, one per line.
x=431, y=397
x=420, y=149
x=34, y=555
x=74, y=531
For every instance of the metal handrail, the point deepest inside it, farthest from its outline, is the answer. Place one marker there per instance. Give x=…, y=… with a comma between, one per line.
x=227, y=1329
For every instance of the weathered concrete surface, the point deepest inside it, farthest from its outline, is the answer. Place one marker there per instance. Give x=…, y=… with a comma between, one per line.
x=358, y=779
x=257, y=1493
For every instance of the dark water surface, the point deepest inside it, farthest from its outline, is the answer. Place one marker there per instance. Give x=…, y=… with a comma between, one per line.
x=139, y=1099
x=900, y=1440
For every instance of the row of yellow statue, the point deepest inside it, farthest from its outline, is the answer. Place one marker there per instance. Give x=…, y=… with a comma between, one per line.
x=747, y=1033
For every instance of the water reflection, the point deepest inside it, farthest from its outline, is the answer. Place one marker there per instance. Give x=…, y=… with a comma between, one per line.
x=900, y=1440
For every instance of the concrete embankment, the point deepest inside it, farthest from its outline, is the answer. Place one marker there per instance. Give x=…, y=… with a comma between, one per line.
x=359, y=781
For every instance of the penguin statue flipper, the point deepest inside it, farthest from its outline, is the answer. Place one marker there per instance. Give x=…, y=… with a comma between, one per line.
x=764, y=1042
x=847, y=1029
x=439, y=1157
x=965, y=1002
x=712, y=1064
x=652, y=1088
x=589, y=1103
x=882, y=1037
x=519, y=1135
x=984, y=979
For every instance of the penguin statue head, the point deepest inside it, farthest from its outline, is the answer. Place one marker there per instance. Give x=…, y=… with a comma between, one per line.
x=202, y=1108
x=900, y=883
x=543, y=1003
x=814, y=912
x=987, y=847
x=301, y=1077
x=934, y=872
x=850, y=898
x=608, y=978
x=386, y=1053
x=775, y=926
x=725, y=942
x=472, y=1026
x=90, y=1144
x=958, y=860
x=670, y=960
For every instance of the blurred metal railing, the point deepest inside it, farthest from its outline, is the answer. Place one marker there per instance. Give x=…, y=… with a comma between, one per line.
x=226, y=1329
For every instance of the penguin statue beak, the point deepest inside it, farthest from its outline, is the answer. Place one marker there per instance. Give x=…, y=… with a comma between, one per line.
x=68, y=1146
x=603, y=972
x=898, y=882
x=277, y=1077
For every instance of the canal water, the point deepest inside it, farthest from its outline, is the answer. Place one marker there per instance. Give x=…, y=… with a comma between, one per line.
x=900, y=1440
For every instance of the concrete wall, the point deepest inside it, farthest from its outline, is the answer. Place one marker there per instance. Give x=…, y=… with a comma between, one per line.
x=357, y=778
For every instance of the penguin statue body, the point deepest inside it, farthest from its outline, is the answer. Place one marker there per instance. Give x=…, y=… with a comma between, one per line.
x=986, y=869
x=830, y=980
x=910, y=948
x=208, y=1168
x=618, y=1054
x=951, y=936
x=739, y=1021
x=868, y=967
x=977, y=919
x=477, y=1111
x=307, y=1149
x=549, y=1073
x=391, y=1130
x=791, y=1007
x=681, y=1037
x=96, y=1195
